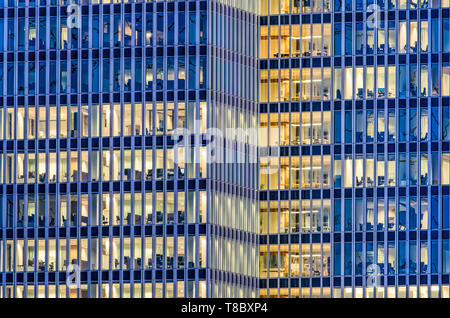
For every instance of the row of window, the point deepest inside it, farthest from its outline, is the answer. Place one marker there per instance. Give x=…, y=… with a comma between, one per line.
x=380, y=214
x=357, y=82
x=391, y=37
x=273, y=7
x=103, y=76
x=423, y=257
x=288, y=41
x=35, y=3
x=384, y=214
x=106, y=290
x=112, y=254
x=306, y=128
x=354, y=171
x=275, y=172
x=293, y=217
x=294, y=128
x=105, y=120
x=309, y=260
x=115, y=209
x=106, y=165
x=411, y=291
x=103, y=31
x=411, y=125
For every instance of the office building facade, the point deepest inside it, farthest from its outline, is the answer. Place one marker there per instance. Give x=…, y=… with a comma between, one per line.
x=354, y=112
x=224, y=148
x=106, y=189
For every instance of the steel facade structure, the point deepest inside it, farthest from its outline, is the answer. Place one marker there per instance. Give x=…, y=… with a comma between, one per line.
x=225, y=148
